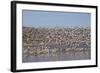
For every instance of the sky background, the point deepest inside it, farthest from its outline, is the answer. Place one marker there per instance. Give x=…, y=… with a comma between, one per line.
x=55, y=19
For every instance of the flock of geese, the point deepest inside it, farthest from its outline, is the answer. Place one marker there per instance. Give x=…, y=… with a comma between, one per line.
x=46, y=42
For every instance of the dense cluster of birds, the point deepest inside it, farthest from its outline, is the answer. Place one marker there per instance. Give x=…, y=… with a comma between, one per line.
x=45, y=41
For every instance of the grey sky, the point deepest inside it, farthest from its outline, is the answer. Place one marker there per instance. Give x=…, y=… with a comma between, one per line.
x=55, y=19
